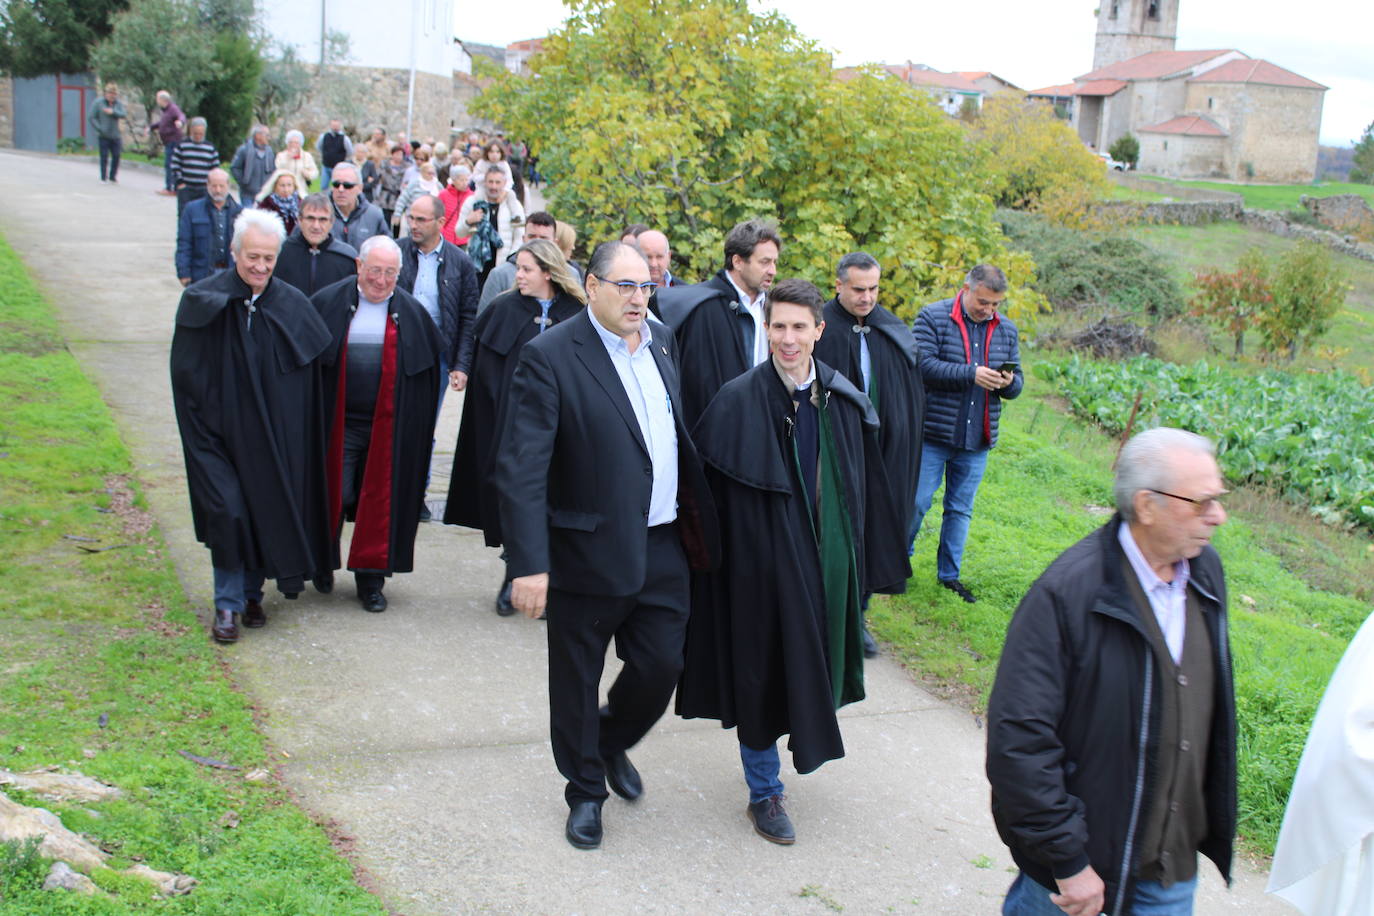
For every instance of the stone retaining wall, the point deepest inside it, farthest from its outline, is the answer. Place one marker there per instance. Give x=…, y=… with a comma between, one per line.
x=1168, y=188
x=1277, y=224
x=1173, y=213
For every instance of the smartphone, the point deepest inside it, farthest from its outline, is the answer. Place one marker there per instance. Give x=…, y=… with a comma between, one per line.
x=1009, y=367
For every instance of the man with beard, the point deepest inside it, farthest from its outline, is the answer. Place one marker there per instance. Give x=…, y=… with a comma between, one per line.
x=247, y=390
x=808, y=526
x=381, y=375
x=604, y=508
x=874, y=349
x=719, y=324
x=312, y=258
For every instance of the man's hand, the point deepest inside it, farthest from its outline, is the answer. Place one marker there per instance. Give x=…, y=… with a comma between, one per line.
x=1080, y=895
x=991, y=379
x=475, y=217
x=185, y=281
x=457, y=380
x=530, y=594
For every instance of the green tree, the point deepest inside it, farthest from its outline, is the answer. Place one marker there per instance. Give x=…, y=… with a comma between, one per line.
x=52, y=36
x=1126, y=149
x=1234, y=301
x=692, y=115
x=1363, y=168
x=1308, y=288
x=231, y=89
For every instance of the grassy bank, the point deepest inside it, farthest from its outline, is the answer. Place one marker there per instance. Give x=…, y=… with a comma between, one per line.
x=1278, y=196
x=106, y=670
x=1048, y=484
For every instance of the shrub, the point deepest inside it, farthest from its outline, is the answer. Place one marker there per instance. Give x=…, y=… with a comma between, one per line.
x=1234, y=301
x=1308, y=287
x=1126, y=149
x=71, y=145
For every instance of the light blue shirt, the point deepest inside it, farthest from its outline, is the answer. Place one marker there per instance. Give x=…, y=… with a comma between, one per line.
x=427, y=283
x=649, y=399
x=1168, y=599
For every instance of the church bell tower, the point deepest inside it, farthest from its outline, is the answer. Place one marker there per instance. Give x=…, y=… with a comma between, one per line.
x=1129, y=28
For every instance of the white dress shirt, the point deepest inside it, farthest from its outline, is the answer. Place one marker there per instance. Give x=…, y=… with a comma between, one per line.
x=755, y=310
x=1168, y=599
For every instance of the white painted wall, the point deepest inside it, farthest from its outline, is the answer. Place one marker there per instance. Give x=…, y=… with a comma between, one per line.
x=383, y=34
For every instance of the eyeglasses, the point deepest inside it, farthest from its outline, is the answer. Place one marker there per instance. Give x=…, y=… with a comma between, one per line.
x=627, y=287
x=1200, y=506
x=390, y=273
x=345, y=184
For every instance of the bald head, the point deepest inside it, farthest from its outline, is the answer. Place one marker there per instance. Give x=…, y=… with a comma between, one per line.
x=654, y=246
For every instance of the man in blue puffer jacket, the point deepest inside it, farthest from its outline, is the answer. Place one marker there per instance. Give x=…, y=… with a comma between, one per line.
x=970, y=363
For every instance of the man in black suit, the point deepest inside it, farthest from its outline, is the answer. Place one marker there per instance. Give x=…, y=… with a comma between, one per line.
x=604, y=506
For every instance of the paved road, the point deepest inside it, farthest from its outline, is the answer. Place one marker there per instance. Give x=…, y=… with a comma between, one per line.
x=423, y=731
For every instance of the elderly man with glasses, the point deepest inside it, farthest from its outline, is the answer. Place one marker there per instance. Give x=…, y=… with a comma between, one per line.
x=1112, y=722
x=355, y=218
x=381, y=383
x=604, y=509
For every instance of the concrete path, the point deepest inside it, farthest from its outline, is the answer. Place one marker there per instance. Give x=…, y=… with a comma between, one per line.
x=424, y=731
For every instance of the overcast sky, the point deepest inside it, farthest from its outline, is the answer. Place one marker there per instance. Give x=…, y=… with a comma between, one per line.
x=1046, y=42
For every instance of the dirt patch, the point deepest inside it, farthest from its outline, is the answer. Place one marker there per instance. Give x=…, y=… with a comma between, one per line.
x=1109, y=338
x=135, y=522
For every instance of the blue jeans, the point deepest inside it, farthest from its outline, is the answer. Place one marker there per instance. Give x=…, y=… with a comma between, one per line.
x=1026, y=897
x=962, y=471
x=325, y=172
x=109, y=153
x=234, y=588
x=167, y=164
x=761, y=770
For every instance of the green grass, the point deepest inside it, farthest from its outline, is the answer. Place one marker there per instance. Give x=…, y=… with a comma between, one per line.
x=1278, y=196
x=107, y=671
x=1048, y=484
x=1121, y=192
x=1190, y=249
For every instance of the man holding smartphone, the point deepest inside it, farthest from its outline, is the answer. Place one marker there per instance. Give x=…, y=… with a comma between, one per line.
x=970, y=363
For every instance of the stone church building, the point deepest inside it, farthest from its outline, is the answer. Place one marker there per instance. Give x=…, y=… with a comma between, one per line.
x=1197, y=114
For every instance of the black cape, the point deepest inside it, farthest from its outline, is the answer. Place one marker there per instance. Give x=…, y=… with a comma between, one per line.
x=897, y=392
x=249, y=404
x=416, y=401
x=505, y=325
x=335, y=261
x=704, y=320
x=756, y=653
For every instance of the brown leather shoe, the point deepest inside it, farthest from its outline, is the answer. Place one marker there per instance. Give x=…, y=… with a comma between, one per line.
x=225, y=629
x=253, y=615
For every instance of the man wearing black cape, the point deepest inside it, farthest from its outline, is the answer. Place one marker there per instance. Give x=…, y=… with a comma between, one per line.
x=510, y=321
x=719, y=324
x=808, y=525
x=381, y=377
x=875, y=350
x=247, y=391
x=312, y=258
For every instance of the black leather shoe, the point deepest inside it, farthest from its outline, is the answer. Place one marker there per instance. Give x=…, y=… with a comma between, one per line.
x=870, y=644
x=224, y=629
x=253, y=615
x=959, y=589
x=584, y=825
x=503, y=605
x=771, y=822
x=372, y=600
x=323, y=582
x=622, y=777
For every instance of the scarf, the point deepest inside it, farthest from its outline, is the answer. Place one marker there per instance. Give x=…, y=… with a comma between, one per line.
x=288, y=207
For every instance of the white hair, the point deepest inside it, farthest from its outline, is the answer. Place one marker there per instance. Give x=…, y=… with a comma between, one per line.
x=376, y=241
x=295, y=135
x=1144, y=463
x=263, y=221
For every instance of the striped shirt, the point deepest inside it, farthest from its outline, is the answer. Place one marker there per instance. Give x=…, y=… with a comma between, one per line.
x=192, y=161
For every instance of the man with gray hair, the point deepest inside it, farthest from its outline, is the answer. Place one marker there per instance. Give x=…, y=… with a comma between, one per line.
x=970, y=363
x=192, y=161
x=381, y=381
x=1112, y=725
x=246, y=388
x=356, y=219
x=253, y=162
x=205, y=231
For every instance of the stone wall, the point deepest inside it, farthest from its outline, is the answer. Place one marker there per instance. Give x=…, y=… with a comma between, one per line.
x=1183, y=156
x=1276, y=223
x=1176, y=191
x=381, y=100
x=466, y=88
x=1342, y=212
x=6, y=112
x=1279, y=137
x=1173, y=213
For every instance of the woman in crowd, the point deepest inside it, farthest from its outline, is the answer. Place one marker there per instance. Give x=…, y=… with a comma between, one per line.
x=391, y=181
x=298, y=161
x=378, y=146
x=367, y=169
x=494, y=157
x=280, y=194
x=452, y=198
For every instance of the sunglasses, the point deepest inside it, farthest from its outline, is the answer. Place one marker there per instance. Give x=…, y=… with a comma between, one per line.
x=345, y=184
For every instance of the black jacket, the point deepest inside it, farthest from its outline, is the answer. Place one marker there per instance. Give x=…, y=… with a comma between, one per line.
x=948, y=374
x=575, y=480
x=333, y=261
x=1073, y=730
x=709, y=324
x=458, y=292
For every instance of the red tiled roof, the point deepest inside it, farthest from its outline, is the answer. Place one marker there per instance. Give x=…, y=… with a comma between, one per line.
x=1155, y=65
x=972, y=74
x=1191, y=125
x=1100, y=87
x=917, y=76
x=529, y=44
x=1065, y=89
x=1255, y=71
